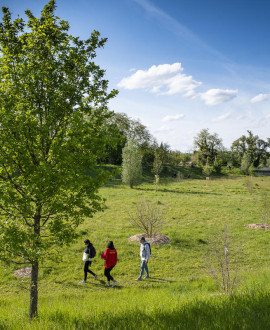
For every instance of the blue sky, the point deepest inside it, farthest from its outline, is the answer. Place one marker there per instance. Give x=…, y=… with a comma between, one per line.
x=180, y=66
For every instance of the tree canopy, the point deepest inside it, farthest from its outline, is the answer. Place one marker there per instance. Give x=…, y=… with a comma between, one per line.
x=129, y=128
x=208, y=146
x=255, y=148
x=53, y=131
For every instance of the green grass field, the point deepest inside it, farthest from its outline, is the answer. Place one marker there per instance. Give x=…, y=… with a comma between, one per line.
x=180, y=294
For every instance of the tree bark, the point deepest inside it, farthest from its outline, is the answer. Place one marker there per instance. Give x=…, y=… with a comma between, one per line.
x=33, y=310
x=34, y=291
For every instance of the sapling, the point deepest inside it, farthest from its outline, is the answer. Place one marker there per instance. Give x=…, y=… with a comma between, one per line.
x=148, y=217
x=222, y=262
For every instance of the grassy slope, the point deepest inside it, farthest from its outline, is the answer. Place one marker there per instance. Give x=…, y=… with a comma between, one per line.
x=179, y=292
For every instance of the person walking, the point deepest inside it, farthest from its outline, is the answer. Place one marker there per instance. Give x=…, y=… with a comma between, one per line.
x=145, y=255
x=110, y=256
x=89, y=253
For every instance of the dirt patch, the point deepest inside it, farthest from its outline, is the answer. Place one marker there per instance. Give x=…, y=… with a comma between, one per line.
x=258, y=226
x=23, y=272
x=156, y=238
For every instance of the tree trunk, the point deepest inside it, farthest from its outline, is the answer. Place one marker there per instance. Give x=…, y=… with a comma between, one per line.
x=34, y=291
x=33, y=310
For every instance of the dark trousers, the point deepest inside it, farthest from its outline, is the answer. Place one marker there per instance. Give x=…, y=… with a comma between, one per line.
x=87, y=270
x=107, y=273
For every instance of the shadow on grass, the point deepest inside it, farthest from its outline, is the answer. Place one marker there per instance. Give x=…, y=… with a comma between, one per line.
x=247, y=311
x=94, y=283
x=159, y=280
x=179, y=192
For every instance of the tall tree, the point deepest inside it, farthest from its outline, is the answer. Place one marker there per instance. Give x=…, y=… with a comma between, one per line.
x=53, y=130
x=208, y=146
x=132, y=163
x=130, y=128
x=255, y=148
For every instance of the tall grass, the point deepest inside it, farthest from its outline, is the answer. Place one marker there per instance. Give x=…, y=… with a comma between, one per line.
x=154, y=309
x=179, y=294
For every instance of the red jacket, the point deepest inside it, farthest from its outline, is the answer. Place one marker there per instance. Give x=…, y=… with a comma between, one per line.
x=110, y=257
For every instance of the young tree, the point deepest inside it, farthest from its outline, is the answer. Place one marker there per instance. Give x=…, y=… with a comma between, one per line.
x=246, y=163
x=52, y=129
x=157, y=164
x=132, y=164
x=148, y=217
x=207, y=170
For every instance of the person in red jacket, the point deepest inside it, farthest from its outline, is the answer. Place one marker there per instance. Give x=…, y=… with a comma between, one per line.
x=110, y=256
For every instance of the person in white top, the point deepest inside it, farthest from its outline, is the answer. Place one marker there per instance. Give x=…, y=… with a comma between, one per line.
x=145, y=255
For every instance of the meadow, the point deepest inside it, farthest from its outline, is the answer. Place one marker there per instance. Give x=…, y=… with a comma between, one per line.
x=180, y=293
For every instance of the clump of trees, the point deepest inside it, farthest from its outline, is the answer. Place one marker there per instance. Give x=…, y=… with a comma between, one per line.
x=53, y=127
x=250, y=149
x=130, y=129
x=208, y=147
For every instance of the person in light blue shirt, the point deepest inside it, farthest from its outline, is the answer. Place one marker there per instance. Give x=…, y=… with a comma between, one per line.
x=145, y=256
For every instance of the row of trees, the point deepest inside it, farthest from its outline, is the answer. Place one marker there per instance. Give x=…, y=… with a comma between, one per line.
x=247, y=151
x=208, y=148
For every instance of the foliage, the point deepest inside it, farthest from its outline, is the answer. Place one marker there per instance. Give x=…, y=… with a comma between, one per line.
x=245, y=164
x=147, y=217
x=208, y=145
x=52, y=128
x=157, y=164
x=161, y=157
x=132, y=164
x=129, y=128
x=217, y=165
x=177, y=158
x=256, y=149
x=207, y=170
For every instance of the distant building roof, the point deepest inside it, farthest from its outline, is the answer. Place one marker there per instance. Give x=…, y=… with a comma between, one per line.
x=262, y=170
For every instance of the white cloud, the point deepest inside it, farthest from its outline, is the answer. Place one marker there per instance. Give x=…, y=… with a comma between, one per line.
x=173, y=118
x=260, y=98
x=163, y=79
x=222, y=117
x=218, y=96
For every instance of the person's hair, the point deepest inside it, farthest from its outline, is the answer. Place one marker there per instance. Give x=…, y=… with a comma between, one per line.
x=110, y=245
x=142, y=239
x=87, y=241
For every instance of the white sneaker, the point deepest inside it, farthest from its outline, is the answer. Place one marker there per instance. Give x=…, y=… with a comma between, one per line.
x=108, y=284
x=95, y=277
x=114, y=283
x=83, y=282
